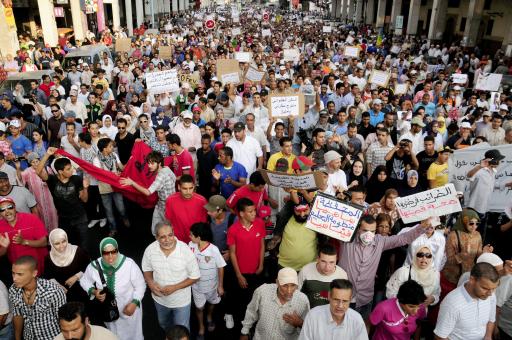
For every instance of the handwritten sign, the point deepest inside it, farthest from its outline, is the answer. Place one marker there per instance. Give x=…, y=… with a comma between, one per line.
x=266, y=33
x=395, y=49
x=291, y=54
x=123, y=44
x=401, y=88
x=465, y=159
x=284, y=180
x=253, y=74
x=192, y=79
x=162, y=81
x=326, y=29
x=489, y=82
x=334, y=218
x=165, y=52
x=228, y=71
x=435, y=202
x=379, y=78
x=243, y=57
x=351, y=51
x=458, y=78
x=287, y=105
x=230, y=78
x=236, y=31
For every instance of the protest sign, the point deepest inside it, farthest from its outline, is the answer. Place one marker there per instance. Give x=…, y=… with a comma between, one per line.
x=489, y=82
x=326, y=29
x=395, y=49
x=286, y=105
x=334, y=218
x=284, y=180
x=266, y=33
x=349, y=40
x=228, y=71
x=198, y=24
x=459, y=78
x=401, y=88
x=351, y=51
x=290, y=54
x=123, y=45
x=192, y=79
x=254, y=75
x=236, y=31
x=379, y=78
x=165, y=52
x=465, y=159
x=243, y=57
x=435, y=202
x=162, y=81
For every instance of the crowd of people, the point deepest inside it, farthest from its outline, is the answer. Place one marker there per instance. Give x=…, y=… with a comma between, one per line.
x=77, y=146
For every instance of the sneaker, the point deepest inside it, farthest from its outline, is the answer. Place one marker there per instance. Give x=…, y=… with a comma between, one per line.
x=92, y=223
x=103, y=222
x=230, y=323
x=211, y=326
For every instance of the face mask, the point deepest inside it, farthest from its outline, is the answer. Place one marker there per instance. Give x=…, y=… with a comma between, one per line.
x=367, y=237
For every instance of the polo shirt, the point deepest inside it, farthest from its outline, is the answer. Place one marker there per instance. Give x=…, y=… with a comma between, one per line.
x=182, y=213
x=257, y=197
x=181, y=162
x=248, y=244
x=463, y=318
x=438, y=173
x=319, y=324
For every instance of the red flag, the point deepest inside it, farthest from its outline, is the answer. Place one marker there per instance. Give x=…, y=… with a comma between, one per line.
x=136, y=169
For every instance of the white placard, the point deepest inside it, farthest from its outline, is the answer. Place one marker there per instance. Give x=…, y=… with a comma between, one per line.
x=465, y=159
x=243, y=57
x=285, y=180
x=236, y=31
x=222, y=19
x=291, y=54
x=326, y=29
x=401, y=88
x=435, y=202
x=379, y=78
x=395, y=49
x=489, y=82
x=334, y=218
x=233, y=78
x=254, y=75
x=162, y=81
x=168, y=27
x=349, y=40
x=198, y=24
x=285, y=106
x=458, y=78
x=351, y=51
x=266, y=32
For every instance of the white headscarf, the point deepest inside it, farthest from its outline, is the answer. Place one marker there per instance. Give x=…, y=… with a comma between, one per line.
x=425, y=277
x=111, y=131
x=64, y=258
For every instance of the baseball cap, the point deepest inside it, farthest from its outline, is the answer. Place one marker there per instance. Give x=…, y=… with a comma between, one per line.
x=186, y=114
x=216, y=202
x=287, y=275
x=504, y=107
x=7, y=199
x=465, y=125
x=70, y=114
x=417, y=121
x=487, y=113
x=15, y=123
x=331, y=156
x=457, y=88
x=282, y=165
x=3, y=175
x=239, y=126
x=446, y=149
x=323, y=112
x=494, y=155
x=377, y=101
x=196, y=109
x=322, y=169
x=302, y=163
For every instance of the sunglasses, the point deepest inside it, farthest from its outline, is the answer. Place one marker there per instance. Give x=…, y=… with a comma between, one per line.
x=9, y=207
x=474, y=223
x=55, y=111
x=427, y=255
x=112, y=252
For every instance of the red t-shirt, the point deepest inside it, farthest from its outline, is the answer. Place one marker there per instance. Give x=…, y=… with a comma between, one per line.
x=180, y=162
x=248, y=244
x=31, y=228
x=183, y=213
x=256, y=196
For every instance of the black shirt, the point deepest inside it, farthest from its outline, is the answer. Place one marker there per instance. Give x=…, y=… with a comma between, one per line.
x=396, y=166
x=453, y=139
x=124, y=147
x=365, y=130
x=66, y=197
x=424, y=161
x=206, y=162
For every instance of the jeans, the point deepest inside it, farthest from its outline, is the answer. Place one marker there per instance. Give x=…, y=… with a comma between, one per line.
x=7, y=333
x=109, y=200
x=168, y=317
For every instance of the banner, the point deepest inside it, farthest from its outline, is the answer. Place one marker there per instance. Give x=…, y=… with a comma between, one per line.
x=162, y=81
x=326, y=29
x=465, y=159
x=286, y=105
x=435, y=202
x=401, y=88
x=334, y=218
x=307, y=181
x=136, y=169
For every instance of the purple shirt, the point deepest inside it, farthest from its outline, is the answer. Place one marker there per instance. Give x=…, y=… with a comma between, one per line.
x=391, y=322
x=361, y=262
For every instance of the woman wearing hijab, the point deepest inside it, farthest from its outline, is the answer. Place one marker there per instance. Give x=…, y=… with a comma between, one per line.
x=125, y=281
x=66, y=264
x=355, y=176
x=409, y=185
x=377, y=185
x=442, y=130
x=386, y=205
x=354, y=149
x=422, y=271
x=108, y=129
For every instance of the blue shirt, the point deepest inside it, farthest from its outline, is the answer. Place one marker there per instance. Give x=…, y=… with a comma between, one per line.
x=236, y=172
x=430, y=108
x=376, y=119
x=19, y=146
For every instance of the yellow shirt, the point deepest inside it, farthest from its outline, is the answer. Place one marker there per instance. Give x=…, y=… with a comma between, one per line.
x=298, y=245
x=271, y=164
x=438, y=173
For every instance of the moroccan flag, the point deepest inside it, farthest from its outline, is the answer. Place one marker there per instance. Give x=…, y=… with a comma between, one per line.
x=136, y=169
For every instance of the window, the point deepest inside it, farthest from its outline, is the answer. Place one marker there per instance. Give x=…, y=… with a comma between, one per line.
x=462, y=24
x=490, y=25
x=454, y=3
x=487, y=4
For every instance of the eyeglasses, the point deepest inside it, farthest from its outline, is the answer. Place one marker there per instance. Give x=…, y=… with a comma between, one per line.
x=474, y=223
x=427, y=255
x=9, y=207
x=121, y=128
x=106, y=252
x=53, y=111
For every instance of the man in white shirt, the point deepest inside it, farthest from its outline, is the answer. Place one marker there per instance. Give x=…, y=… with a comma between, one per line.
x=190, y=134
x=337, y=181
x=335, y=320
x=256, y=132
x=246, y=150
x=415, y=135
x=170, y=268
x=73, y=104
x=259, y=111
x=469, y=311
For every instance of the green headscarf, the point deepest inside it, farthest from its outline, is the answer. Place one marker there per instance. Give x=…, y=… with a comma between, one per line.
x=466, y=213
x=108, y=269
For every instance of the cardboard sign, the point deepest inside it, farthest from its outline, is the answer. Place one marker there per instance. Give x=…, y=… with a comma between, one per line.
x=489, y=82
x=458, y=78
x=435, y=202
x=334, y=218
x=291, y=181
x=266, y=32
x=243, y=57
x=236, y=31
x=228, y=71
x=123, y=44
x=162, y=81
x=165, y=52
x=401, y=88
x=254, y=75
x=461, y=161
x=351, y=51
x=326, y=29
x=379, y=78
x=291, y=54
x=192, y=79
x=286, y=105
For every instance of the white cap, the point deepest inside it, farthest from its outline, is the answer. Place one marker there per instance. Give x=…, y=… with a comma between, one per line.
x=186, y=114
x=15, y=123
x=287, y=275
x=504, y=107
x=493, y=259
x=457, y=88
x=377, y=101
x=465, y=125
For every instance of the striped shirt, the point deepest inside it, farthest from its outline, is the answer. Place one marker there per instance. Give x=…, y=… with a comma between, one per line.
x=375, y=155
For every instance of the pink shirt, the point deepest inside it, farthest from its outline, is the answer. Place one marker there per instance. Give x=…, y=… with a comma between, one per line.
x=391, y=323
x=190, y=137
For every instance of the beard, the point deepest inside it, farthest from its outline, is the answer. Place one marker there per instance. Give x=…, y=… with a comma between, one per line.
x=300, y=219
